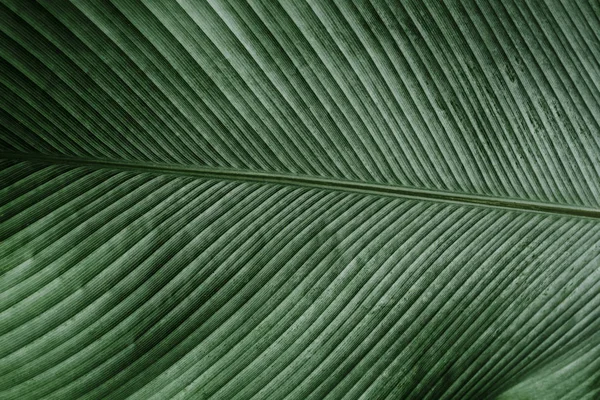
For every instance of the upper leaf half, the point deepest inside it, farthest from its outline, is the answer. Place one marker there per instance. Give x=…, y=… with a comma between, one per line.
x=498, y=99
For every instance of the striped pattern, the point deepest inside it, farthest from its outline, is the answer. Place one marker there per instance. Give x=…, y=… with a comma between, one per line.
x=499, y=98
x=160, y=287
x=130, y=282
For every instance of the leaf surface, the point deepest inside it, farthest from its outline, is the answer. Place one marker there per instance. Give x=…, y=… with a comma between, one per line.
x=300, y=199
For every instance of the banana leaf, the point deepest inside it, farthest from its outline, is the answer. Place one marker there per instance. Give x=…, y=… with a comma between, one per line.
x=300, y=199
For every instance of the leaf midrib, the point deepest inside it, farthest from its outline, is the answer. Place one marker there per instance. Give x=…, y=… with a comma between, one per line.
x=306, y=181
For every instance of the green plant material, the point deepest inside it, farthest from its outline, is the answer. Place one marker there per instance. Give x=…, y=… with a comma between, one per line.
x=300, y=199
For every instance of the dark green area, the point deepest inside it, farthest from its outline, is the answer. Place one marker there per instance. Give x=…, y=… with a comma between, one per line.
x=300, y=199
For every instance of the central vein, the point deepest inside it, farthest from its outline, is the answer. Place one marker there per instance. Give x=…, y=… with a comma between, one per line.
x=316, y=182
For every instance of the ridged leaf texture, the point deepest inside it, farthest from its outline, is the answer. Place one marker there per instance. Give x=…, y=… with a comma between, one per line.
x=300, y=199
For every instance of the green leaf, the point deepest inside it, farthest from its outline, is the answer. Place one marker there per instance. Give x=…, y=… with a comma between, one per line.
x=300, y=199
